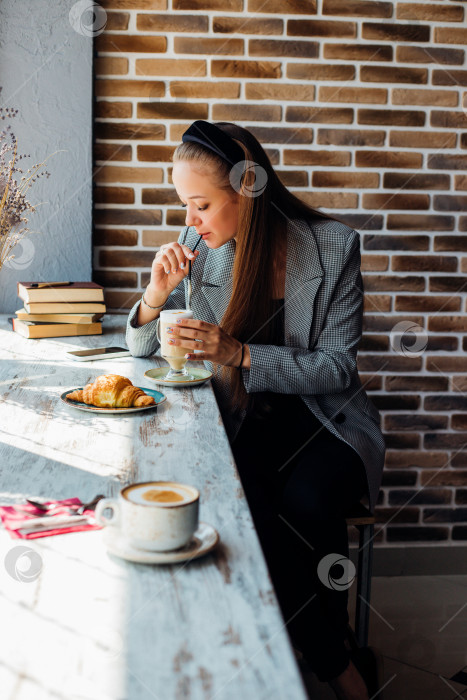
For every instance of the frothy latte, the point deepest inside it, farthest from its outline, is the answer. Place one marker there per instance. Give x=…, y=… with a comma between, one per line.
x=160, y=493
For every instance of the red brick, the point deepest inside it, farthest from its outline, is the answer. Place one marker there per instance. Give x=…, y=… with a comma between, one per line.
x=387, y=159
x=391, y=74
x=402, y=441
x=134, y=4
x=199, y=89
x=416, y=384
x=357, y=8
x=439, y=324
x=362, y=52
x=449, y=120
x=172, y=110
x=414, y=181
x=375, y=263
x=427, y=303
x=449, y=77
x=450, y=35
x=106, y=65
x=318, y=71
x=312, y=157
x=395, y=201
x=377, y=302
x=412, y=533
x=446, y=364
x=418, y=421
x=433, y=13
x=425, y=263
x=305, y=27
x=351, y=137
x=172, y=23
x=454, y=243
x=125, y=258
x=234, y=5
x=406, y=96
x=461, y=182
x=115, y=278
x=281, y=7
x=282, y=135
x=125, y=130
x=128, y=216
x=374, y=343
x=277, y=47
x=421, y=459
x=420, y=222
x=159, y=195
x=422, y=139
x=459, y=383
x=120, y=301
x=129, y=88
x=329, y=200
x=246, y=69
x=445, y=202
x=443, y=343
x=175, y=218
x=246, y=112
x=352, y=94
x=114, y=195
x=117, y=21
x=380, y=323
x=459, y=422
x=170, y=66
x=269, y=91
x=112, y=110
x=128, y=43
x=446, y=477
x=313, y=115
x=393, y=283
x=341, y=179
x=397, y=515
x=155, y=153
x=208, y=45
x=293, y=178
x=115, y=236
x=395, y=32
x=395, y=242
x=362, y=222
x=156, y=238
x=377, y=363
x=418, y=54
x=119, y=173
x=112, y=151
x=447, y=284
x=391, y=117
x=396, y=403
x=463, y=223
x=370, y=382
x=247, y=25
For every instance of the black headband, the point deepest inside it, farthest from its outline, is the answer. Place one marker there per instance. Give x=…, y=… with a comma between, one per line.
x=211, y=137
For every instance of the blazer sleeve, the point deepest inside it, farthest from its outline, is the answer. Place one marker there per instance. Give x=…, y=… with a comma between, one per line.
x=328, y=367
x=142, y=340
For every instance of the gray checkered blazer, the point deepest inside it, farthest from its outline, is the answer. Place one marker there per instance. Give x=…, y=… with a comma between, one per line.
x=323, y=323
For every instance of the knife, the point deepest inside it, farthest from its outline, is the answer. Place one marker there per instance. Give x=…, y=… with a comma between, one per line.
x=50, y=522
x=64, y=526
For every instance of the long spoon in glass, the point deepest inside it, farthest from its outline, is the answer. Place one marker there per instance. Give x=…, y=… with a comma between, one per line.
x=189, y=276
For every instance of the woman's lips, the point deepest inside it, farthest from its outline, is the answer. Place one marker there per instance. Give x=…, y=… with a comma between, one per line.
x=205, y=235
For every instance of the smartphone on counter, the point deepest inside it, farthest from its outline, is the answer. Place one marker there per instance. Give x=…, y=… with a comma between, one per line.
x=98, y=354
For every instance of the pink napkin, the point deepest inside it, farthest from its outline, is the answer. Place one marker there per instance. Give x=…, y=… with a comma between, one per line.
x=11, y=515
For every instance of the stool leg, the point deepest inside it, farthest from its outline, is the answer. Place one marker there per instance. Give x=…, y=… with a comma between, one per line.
x=365, y=562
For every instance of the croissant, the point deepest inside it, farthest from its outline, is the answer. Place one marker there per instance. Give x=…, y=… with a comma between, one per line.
x=112, y=391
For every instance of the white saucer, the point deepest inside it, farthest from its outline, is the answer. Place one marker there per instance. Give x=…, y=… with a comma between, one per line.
x=203, y=541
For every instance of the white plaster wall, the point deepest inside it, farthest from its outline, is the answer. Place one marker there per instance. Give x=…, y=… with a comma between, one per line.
x=46, y=73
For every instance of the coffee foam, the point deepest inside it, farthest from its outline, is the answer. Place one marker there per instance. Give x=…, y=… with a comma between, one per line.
x=160, y=493
x=171, y=315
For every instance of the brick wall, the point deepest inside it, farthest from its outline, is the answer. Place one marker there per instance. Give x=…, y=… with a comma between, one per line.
x=362, y=108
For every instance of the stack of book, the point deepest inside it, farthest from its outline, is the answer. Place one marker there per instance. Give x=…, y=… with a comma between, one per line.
x=54, y=309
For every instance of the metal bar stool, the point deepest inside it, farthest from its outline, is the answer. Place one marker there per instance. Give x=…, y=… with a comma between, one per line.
x=361, y=518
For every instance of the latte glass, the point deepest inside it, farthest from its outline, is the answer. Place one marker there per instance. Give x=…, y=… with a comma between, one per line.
x=173, y=354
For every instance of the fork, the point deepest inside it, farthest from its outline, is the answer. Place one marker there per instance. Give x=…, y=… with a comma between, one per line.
x=73, y=509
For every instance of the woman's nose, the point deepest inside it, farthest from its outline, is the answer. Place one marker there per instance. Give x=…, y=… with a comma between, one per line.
x=192, y=219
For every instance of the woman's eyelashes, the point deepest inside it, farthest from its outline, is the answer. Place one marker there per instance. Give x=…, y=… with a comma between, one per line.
x=199, y=208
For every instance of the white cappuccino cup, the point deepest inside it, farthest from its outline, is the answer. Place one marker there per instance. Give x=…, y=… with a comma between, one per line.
x=157, y=516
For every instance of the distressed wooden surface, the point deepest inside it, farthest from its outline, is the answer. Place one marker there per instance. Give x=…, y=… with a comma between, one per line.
x=91, y=626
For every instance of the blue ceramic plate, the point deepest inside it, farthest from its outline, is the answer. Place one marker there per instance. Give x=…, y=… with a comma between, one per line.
x=158, y=397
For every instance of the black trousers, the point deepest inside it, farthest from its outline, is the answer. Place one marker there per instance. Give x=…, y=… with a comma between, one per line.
x=300, y=481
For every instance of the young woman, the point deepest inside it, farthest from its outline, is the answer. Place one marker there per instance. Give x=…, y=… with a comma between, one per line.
x=277, y=302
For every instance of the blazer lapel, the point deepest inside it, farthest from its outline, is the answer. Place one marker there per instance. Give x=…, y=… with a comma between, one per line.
x=217, y=278
x=303, y=279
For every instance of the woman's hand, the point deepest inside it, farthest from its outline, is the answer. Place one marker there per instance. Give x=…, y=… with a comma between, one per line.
x=169, y=267
x=216, y=345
